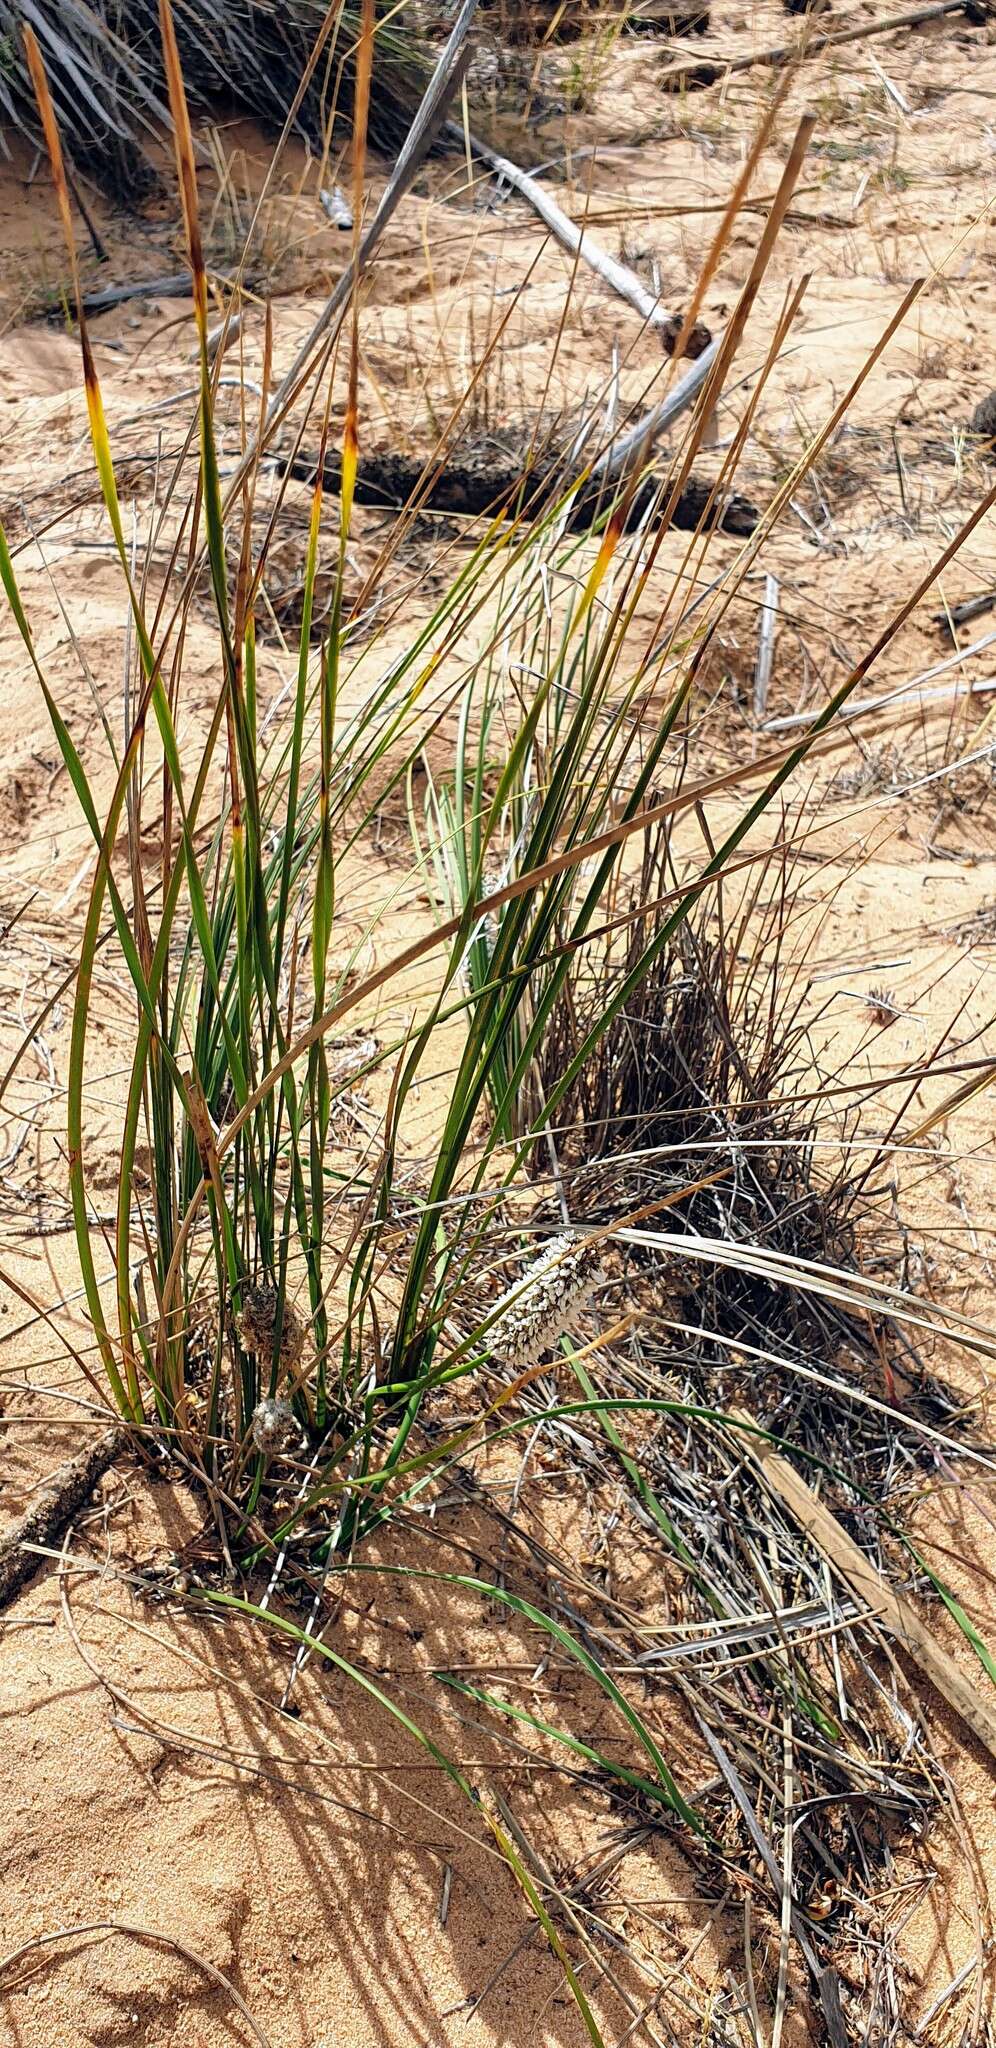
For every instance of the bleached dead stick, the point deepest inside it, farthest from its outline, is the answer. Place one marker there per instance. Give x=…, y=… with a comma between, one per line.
x=971, y=1699
x=909, y=700
x=637, y=442
x=577, y=240
x=639, y=439
x=862, y=705
x=765, y=646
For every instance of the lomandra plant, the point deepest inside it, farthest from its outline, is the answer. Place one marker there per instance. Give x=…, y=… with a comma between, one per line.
x=282, y=1324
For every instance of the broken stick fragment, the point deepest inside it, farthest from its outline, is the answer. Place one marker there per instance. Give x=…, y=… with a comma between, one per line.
x=974, y=1703
x=618, y=276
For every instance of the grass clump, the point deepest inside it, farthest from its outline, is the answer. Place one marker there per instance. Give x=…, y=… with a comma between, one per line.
x=321, y=1331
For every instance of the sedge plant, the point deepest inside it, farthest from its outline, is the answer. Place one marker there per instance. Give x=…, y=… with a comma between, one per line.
x=285, y=1319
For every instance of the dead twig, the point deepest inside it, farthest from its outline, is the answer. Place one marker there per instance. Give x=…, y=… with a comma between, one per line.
x=70, y=1485
x=708, y=72
x=177, y=286
x=862, y=1577
x=971, y=608
x=616, y=275
x=766, y=646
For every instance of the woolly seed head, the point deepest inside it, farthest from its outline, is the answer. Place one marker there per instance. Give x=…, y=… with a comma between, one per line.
x=272, y=1426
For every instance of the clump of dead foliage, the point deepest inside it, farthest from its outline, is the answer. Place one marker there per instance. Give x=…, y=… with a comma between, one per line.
x=104, y=68
x=704, y=1107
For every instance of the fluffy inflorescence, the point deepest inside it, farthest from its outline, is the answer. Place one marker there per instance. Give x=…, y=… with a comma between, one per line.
x=256, y=1323
x=534, y=1313
x=272, y=1426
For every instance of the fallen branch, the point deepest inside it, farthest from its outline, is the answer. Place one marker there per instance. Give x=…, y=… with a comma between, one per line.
x=61, y=1497
x=970, y=608
x=178, y=287
x=616, y=275
x=766, y=646
x=913, y=686
x=862, y=1578
x=906, y=702
x=708, y=72
x=638, y=439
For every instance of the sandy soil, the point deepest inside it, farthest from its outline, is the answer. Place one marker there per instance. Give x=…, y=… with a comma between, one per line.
x=148, y=1777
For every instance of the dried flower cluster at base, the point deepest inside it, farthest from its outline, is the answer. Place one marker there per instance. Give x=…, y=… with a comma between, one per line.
x=273, y=1425
x=256, y=1324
